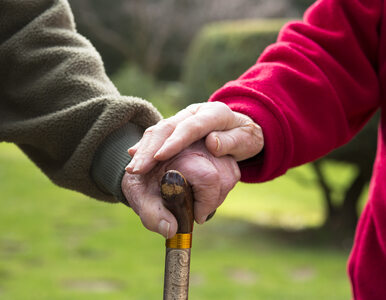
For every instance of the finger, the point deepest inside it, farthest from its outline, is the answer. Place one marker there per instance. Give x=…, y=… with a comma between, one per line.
x=210, y=117
x=241, y=142
x=132, y=150
x=204, y=179
x=207, y=197
x=142, y=194
x=148, y=206
x=230, y=175
x=152, y=140
x=155, y=217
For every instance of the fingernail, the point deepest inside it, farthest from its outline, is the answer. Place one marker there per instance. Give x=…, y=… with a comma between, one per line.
x=163, y=228
x=130, y=166
x=159, y=152
x=210, y=216
x=163, y=148
x=137, y=166
x=218, y=144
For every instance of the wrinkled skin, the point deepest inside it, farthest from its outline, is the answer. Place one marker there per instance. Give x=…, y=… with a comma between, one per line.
x=211, y=178
x=226, y=133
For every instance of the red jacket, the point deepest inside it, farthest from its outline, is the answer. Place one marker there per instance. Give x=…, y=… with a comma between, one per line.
x=311, y=92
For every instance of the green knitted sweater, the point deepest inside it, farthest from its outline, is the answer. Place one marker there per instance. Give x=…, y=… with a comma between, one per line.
x=57, y=104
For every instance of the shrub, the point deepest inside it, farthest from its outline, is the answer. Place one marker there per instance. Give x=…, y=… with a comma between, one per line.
x=302, y=5
x=223, y=51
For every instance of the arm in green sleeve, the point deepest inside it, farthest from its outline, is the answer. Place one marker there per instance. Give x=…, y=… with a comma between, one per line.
x=57, y=104
x=111, y=158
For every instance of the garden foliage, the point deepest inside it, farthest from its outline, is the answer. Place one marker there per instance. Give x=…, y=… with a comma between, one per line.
x=223, y=51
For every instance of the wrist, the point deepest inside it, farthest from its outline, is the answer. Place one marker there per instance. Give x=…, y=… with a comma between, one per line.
x=111, y=158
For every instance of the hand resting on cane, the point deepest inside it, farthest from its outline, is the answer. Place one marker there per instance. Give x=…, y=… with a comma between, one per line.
x=228, y=135
x=211, y=178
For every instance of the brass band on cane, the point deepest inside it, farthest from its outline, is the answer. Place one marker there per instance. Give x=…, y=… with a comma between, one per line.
x=180, y=241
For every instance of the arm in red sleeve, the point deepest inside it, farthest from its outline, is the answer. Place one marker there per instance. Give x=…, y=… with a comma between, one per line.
x=314, y=88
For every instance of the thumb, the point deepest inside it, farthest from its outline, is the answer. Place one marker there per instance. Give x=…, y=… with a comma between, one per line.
x=146, y=202
x=157, y=218
x=240, y=142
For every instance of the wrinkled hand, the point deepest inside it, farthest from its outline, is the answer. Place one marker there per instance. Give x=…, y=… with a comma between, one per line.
x=211, y=179
x=227, y=133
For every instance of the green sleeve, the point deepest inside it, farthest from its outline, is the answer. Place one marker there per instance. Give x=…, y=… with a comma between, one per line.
x=57, y=104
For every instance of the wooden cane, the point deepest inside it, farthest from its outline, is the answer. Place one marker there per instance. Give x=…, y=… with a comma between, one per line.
x=178, y=199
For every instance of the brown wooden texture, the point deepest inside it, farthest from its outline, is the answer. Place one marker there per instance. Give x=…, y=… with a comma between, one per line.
x=178, y=199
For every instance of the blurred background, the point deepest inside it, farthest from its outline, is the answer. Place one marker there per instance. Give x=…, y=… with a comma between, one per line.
x=286, y=239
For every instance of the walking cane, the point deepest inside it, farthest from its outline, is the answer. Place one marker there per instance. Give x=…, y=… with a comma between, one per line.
x=178, y=199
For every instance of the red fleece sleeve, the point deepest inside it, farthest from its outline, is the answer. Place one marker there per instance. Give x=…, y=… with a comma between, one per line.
x=314, y=88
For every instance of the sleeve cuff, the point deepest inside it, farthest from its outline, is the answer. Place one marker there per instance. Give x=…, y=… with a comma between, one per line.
x=275, y=158
x=111, y=158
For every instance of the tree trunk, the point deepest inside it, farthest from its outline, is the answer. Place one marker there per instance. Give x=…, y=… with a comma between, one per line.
x=326, y=190
x=344, y=218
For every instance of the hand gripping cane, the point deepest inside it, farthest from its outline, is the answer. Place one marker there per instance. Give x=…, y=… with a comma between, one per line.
x=178, y=199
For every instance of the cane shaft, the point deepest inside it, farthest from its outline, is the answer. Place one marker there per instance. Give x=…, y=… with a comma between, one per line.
x=177, y=269
x=178, y=198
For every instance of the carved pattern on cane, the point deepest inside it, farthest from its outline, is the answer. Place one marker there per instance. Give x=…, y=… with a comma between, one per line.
x=177, y=273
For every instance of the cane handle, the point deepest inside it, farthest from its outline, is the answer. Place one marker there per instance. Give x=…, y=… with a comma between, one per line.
x=178, y=199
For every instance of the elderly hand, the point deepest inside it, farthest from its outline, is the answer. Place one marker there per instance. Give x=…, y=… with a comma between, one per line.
x=226, y=132
x=211, y=179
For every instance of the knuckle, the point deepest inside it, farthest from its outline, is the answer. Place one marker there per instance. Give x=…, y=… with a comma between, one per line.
x=149, y=130
x=193, y=108
x=256, y=129
x=224, y=115
x=254, y=137
x=222, y=108
x=219, y=105
x=253, y=129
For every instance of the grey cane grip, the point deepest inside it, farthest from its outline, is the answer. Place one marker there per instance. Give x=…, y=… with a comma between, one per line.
x=178, y=199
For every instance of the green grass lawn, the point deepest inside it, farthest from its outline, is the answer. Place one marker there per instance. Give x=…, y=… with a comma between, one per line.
x=57, y=244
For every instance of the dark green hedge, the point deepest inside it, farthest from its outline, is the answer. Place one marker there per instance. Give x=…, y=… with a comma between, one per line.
x=223, y=51
x=302, y=5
